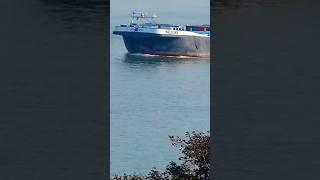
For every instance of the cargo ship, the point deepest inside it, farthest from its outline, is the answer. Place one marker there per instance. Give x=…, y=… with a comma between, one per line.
x=143, y=35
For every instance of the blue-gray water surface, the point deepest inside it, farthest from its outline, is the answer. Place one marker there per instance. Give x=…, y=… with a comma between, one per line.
x=154, y=96
x=53, y=89
x=266, y=89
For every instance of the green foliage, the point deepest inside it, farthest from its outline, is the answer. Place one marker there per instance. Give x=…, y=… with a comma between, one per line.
x=195, y=148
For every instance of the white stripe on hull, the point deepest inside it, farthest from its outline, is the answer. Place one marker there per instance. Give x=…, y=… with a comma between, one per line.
x=159, y=31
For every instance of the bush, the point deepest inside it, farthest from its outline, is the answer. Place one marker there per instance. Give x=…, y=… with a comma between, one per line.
x=195, y=148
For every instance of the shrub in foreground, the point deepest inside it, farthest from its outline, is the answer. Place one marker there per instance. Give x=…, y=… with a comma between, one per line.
x=195, y=147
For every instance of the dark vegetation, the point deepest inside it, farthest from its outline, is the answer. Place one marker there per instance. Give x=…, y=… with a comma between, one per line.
x=195, y=162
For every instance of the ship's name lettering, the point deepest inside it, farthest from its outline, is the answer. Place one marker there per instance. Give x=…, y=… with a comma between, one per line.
x=171, y=32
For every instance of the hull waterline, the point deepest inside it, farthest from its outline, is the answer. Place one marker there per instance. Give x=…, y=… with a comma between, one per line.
x=166, y=45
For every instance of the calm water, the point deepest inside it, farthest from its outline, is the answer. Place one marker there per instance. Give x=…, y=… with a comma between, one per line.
x=53, y=89
x=153, y=97
x=266, y=89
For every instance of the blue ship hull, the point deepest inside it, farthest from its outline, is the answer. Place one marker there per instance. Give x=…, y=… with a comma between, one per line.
x=168, y=45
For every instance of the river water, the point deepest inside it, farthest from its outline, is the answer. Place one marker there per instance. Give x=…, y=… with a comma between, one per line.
x=153, y=96
x=266, y=89
x=53, y=89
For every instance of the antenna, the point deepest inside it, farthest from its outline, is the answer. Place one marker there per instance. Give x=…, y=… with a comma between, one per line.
x=142, y=15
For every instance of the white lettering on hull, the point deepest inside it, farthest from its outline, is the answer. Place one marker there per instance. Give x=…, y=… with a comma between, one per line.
x=159, y=31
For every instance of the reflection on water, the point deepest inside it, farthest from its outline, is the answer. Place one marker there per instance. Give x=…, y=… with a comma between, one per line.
x=153, y=59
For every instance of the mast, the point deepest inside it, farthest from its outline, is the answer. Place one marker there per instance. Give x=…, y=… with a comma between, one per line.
x=142, y=15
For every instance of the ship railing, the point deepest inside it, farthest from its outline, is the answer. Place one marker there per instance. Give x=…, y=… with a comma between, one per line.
x=143, y=15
